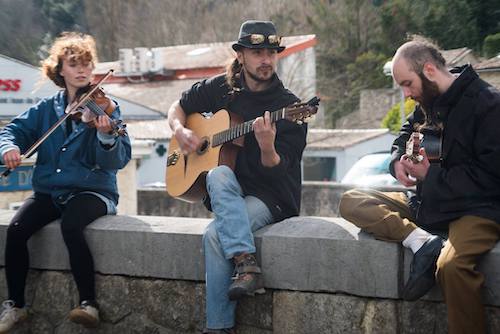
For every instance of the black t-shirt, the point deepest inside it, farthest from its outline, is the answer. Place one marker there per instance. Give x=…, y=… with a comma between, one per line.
x=279, y=187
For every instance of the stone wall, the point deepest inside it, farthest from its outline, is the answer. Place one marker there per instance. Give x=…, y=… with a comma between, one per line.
x=322, y=275
x=158, y=306
x=373, y=106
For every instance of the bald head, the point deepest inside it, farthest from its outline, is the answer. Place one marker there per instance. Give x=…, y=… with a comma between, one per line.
x=417, y=53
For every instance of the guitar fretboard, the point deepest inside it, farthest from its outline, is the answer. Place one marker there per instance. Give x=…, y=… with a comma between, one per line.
x=242, y=129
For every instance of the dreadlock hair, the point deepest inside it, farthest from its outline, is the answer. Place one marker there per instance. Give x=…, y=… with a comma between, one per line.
x=233, y=71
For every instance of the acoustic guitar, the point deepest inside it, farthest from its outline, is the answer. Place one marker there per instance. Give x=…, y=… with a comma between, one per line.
x=431, y=142
x=221, y=136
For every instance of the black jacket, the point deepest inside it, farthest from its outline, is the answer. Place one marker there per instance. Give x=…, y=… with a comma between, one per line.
x=278, y=187
x=466, y=181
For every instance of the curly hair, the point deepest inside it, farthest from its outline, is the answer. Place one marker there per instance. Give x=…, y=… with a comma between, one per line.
x=72, y=46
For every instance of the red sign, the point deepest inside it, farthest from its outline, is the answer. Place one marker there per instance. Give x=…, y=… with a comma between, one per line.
x=7, y=85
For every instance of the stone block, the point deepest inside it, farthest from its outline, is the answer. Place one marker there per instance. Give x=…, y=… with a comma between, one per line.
x=327, y=254
x=161, y=247
x=302, y=312
x=256, y=313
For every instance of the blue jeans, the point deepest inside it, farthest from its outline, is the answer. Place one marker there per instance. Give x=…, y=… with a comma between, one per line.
x=229, y=234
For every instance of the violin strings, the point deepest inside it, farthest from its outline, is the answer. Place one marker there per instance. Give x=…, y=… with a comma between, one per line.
x=96, y=109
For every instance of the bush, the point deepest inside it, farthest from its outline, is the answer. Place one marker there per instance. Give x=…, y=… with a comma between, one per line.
x=392, y=119
x=491, y=46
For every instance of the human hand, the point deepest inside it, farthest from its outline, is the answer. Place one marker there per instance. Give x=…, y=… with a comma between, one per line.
x=103, y=124
x=418, y=170
x=187, y=139
x=265, y=134
x=12, y=158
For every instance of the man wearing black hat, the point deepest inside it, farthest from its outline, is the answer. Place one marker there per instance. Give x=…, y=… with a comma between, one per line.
x=265, y=185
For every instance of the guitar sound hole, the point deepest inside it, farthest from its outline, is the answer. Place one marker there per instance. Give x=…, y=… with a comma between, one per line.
x=204, y=146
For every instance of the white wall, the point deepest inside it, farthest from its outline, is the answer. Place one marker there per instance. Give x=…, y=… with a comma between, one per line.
x=152, y=167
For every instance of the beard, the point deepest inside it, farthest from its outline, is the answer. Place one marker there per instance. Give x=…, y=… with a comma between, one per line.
x=256, y=77
x=430, y=92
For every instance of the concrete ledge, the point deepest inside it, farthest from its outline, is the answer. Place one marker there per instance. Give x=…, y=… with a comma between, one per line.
x=301, y=253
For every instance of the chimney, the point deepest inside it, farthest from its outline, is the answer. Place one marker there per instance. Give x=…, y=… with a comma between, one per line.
x=156, y=64
x=141, y=60
x=126, y=60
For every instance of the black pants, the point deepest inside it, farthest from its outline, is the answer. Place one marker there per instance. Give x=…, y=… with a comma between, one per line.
x=36, y=212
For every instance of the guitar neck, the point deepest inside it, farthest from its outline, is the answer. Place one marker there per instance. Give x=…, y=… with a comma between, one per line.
x=242, y=129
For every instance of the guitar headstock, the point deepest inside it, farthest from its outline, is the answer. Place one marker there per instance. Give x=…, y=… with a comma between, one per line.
x=413, y=146
x=301, y=112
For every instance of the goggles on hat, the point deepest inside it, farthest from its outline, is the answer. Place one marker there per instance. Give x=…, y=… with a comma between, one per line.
x=257, y=39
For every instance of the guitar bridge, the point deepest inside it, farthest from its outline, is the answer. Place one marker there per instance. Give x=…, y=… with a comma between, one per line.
x=172, y=158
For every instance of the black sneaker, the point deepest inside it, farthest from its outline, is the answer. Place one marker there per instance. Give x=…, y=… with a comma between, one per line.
x=422, y=269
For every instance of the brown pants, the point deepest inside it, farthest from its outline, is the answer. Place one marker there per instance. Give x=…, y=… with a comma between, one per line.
x=387, y=217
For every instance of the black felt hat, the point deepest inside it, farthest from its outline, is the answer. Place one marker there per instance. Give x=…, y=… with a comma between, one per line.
x=249, y=35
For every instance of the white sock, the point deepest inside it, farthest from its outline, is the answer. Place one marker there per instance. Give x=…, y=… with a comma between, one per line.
x=416, y=239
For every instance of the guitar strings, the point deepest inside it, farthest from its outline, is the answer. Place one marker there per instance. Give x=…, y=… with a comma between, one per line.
x=241, y=129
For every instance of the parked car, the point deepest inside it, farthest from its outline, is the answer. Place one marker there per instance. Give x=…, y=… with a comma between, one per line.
x=371, y=170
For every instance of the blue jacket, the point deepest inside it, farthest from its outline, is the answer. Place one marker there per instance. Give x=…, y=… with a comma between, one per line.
x=66, y=165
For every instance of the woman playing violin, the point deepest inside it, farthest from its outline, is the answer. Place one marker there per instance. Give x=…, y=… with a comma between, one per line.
x=74, y=178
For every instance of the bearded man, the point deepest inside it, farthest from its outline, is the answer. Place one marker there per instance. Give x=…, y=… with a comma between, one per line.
x=265, y=185
x=458, y=194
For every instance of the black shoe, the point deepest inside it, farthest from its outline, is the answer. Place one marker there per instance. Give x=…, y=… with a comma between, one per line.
x=423, y=269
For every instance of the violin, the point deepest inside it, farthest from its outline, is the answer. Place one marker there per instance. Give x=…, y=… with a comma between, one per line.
x=98, y=104
x=86, y=101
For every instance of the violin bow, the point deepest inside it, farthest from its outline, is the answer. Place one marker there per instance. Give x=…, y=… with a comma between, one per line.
x=40, y=140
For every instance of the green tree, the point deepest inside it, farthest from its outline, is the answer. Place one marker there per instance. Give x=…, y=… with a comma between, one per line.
x=62, y=15
x=20, y=38
x=397, y=18
x=346, y=30
x=367, y=71
x=451, y=23
x=65, y=15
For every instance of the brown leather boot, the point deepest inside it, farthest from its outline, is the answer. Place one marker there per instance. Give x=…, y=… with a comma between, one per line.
x=247, y=277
